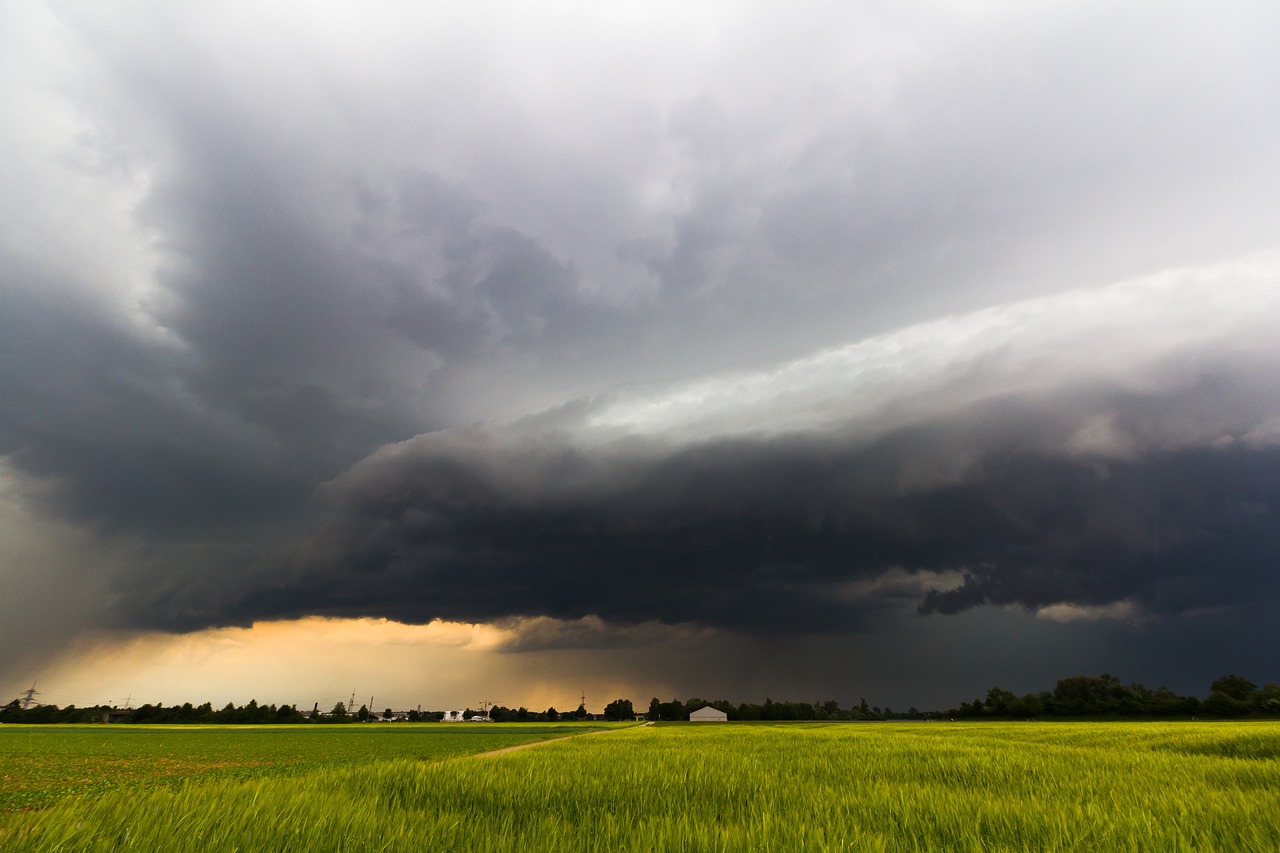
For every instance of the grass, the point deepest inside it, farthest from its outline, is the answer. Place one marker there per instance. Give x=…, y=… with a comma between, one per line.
x=40, y=765
x=1007, y=786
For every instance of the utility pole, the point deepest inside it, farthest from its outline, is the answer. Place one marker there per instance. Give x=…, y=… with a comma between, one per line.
x=28, y=696
x=351, y=703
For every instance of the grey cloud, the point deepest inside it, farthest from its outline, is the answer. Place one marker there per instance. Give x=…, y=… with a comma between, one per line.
x=542, y=634
x=501, y=290
x=782, y=534
x=92, y=414
x=335, y=247
x=285, y=341
x=1013, y=161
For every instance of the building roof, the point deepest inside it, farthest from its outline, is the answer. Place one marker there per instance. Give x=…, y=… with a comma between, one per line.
x=708, y=713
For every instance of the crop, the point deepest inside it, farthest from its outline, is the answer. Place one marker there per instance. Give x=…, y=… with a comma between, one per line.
x=936, y=786
x=40, y=765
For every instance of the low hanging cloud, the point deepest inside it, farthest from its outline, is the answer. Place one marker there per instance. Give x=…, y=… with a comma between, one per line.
x=758, y=536
x=1005, y=460
x=592, y=321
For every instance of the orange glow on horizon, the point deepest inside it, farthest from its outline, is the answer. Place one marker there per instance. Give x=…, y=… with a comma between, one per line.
x=321, y=661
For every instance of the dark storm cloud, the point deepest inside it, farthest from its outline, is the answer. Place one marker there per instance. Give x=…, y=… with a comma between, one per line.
x=248, y=256
x=273, y=352
x=90, y=414
x=793, y=533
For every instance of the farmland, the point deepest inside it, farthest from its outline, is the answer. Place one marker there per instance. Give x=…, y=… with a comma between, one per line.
x=40, y=765
x=1010, y=786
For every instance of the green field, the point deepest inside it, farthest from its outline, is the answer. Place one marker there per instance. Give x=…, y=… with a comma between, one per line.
x=40, y=765
x=921, y=786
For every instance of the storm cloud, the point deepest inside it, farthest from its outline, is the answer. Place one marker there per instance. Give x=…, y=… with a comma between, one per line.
x=716, y=317
x=788, y=536
x=1016, y=463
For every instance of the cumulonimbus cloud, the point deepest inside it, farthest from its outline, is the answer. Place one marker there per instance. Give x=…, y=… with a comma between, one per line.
x=1000, y=450
x=810, y=291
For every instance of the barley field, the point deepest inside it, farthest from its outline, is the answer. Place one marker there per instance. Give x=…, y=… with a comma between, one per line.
x=40, y=765
x=727, y=787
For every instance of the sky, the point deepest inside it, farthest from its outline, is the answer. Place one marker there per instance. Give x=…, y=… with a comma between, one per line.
x=448, y=353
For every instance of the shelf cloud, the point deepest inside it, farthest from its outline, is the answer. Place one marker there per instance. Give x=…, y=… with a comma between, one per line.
x=607, y=324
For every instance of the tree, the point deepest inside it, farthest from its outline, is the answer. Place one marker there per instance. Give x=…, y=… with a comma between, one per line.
x=619, y=709
x=288, y=714
x=1090, y=694
x=552, y=714
x=149, y=714
x=1001, y=702
x=671, y=711
x=1220, y=704
x=1237, y=687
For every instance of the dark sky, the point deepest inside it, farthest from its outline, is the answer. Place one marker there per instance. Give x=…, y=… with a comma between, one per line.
x=910, y=333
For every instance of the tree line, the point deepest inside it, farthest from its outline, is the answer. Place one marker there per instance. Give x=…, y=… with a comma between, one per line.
x=1230, y=696
x=1104, y=695
x=617, y=710
x=770, y=710
x=252, y=713
x=255, y=714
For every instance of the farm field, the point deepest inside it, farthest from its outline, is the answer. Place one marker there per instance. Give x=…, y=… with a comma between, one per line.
x=40, y=765
x=910, y=786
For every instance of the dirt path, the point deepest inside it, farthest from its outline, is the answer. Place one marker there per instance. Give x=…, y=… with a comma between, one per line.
x=506, y=749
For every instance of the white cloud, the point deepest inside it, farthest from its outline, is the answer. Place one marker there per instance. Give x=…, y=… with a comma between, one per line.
x=72, y=184
x=1122, y=336
x=1263, y=436
x=1064, y=612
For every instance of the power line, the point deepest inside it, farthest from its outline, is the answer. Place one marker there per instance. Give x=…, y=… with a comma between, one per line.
x=28, y=696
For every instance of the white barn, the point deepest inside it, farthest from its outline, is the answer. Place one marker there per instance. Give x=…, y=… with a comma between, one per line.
x=708, y=714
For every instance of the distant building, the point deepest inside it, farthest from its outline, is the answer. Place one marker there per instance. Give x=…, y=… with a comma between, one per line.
x=452, y=717
x=708, y=714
